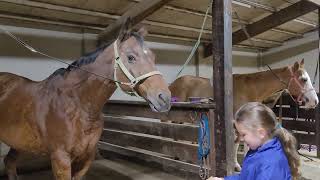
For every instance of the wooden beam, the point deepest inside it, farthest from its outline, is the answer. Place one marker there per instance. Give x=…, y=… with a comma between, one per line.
x=284, y=15
x=98, y=14
x=41, y=23
x=222, y=138
x=316, y=2
x=137, y=13
x=197, y=63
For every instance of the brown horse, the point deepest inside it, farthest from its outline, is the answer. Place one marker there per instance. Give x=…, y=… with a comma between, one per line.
x=252, y=87
x=61, y=116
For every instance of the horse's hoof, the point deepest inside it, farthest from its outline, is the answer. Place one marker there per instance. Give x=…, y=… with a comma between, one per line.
x=237, y=167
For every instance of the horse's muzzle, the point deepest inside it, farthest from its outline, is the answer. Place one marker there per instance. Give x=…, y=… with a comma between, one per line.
x=160, y=103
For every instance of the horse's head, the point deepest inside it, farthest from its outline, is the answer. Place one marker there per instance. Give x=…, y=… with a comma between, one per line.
x=139, y=69
x=300, y=86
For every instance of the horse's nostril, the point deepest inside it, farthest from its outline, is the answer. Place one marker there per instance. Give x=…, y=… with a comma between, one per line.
x=307, y=99
x=163, y=97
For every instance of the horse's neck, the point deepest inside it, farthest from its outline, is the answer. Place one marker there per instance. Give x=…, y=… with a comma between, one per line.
x=264, y=84
x=91, y=90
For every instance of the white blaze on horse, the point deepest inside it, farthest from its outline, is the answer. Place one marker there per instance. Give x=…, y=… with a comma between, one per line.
x=253, y=87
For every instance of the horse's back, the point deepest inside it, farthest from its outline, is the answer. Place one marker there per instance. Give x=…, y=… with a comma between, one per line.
x=9, y=81
x=190, y=86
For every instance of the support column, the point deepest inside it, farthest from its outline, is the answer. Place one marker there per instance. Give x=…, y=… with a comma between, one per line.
x=223, y=137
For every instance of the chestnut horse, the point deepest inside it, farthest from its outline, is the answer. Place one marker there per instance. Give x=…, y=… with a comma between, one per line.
x=252, y=87
x=61, y=116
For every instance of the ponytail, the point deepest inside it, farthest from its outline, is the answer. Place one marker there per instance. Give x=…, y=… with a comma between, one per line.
x=289, y=145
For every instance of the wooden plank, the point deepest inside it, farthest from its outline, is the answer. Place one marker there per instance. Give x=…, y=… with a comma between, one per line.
x=222, y=156
x=136, y=13
x=149, y=157
x=164, y=129
x=306, y=126
x=183, y=151
x=131, y=110
x=180, y=113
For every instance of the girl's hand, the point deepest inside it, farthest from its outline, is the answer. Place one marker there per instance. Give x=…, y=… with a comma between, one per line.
x=215, y=178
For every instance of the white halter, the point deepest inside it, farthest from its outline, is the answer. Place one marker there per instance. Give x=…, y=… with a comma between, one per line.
x=133, y=81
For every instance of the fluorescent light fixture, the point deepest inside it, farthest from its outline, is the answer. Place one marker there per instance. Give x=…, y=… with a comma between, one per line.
x=305, y=22
x=241, y=4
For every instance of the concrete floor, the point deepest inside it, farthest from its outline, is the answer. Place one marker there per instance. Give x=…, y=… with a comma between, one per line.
x=109, y=170
x=310, y=167
x=118, y=169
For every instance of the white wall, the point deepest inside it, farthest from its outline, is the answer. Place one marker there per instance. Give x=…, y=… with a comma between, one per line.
x=17, y=59
x=67, y=46
x=242, y=62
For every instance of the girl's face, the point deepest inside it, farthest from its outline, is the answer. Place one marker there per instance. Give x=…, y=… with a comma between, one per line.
x=253, y=138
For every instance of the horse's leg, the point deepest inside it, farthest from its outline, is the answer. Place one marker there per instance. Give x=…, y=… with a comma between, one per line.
x=10, y=162
x=79, y=168
x=61, y=165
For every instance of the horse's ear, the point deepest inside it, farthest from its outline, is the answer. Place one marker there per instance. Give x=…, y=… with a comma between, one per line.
x=125, y=30
x=296, y=66
x=143, y=31
x=302, y=63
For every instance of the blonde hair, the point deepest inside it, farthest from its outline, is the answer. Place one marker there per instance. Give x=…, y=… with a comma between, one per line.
x=255, y=115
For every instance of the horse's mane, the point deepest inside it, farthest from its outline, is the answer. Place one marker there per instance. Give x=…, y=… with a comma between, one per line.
x=92, y=56
x=88, y=58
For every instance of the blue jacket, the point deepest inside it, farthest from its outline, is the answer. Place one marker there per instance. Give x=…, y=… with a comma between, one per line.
x=268, y=162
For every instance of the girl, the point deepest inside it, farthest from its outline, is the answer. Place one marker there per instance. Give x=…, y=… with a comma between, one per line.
x=272, y=154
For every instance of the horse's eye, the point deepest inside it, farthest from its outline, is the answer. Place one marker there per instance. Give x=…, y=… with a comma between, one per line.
x=131, y=59
x=304, y=80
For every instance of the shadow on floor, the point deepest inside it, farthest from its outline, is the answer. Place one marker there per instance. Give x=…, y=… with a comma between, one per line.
x=96, y=172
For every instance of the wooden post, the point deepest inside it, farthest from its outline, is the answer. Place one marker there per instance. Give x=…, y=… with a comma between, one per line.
x=196, y=62
x=223, y=137
x=317, y=117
